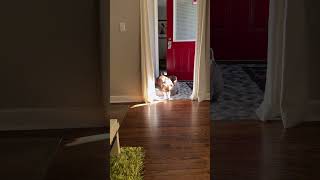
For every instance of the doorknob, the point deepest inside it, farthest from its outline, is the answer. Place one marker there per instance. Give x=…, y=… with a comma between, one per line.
x=169, y=43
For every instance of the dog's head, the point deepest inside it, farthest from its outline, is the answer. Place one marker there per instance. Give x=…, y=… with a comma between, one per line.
x=164, y=83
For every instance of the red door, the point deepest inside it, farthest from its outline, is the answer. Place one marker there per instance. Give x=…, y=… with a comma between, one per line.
x=181, y=37
x=239, y=29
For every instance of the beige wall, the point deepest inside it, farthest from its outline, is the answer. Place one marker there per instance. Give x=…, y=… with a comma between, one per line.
x=50, y=62
x=125, y=78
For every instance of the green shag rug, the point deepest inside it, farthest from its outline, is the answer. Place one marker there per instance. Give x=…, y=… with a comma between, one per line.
x=128, y=165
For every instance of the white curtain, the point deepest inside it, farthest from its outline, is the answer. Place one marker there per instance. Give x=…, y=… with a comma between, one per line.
x=286, y=94
x=148, y=48
x=201, y=84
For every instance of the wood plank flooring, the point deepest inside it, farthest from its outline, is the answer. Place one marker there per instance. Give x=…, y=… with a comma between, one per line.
x=87, y=161
x=253, y=150
x=176, y=137
x=23, y=156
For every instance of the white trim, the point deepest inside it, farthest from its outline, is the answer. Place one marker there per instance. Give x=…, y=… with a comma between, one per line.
x=125, y=99
x=206, y=97
x=174, y=21
x=156, y=39
x=51, y=118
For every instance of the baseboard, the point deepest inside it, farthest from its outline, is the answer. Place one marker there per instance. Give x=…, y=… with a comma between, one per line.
x=51, y=118
x=206, y=97
x=125, y=99
x=314, y=111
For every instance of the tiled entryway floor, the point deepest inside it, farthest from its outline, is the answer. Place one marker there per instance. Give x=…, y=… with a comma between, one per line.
x=242, y=94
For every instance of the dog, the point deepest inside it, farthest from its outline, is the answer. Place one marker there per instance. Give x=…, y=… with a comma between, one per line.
x=165, y=85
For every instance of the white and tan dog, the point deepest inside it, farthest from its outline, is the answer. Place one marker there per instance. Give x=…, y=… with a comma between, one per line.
x=165, y=85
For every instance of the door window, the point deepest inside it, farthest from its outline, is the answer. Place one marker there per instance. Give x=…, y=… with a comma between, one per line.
x=184, y=20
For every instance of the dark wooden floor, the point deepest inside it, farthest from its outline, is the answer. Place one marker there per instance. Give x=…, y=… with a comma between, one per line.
x=82, y=162
x=176, y=137
x=252, y=150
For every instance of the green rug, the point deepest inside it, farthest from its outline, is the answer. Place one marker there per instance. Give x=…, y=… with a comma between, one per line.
x=128, y=165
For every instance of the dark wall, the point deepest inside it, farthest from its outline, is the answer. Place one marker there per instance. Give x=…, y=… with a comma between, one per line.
x=211, y=23
x=49, y=54
x=313, y=29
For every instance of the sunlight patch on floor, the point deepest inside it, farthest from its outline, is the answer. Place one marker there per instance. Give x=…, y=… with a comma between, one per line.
x=147, y=104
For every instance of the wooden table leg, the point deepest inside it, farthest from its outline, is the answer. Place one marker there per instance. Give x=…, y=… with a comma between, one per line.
x=115, y=150
x=114, y=136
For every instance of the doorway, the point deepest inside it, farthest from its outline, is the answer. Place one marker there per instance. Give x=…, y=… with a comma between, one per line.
x=239, y=39
x=177, y=29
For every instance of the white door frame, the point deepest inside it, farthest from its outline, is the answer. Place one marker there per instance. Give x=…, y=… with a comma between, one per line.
x=156, y=39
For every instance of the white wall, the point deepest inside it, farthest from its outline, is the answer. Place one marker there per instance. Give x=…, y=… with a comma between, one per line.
x=125, y=74
x=50, y=69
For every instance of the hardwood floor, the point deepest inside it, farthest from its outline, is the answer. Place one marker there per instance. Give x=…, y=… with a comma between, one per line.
x=83, y=161
x=176, y=137
x=252, y=150
x=42, y=155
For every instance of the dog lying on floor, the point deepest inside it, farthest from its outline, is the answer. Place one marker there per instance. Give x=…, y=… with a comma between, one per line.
x=165, y=85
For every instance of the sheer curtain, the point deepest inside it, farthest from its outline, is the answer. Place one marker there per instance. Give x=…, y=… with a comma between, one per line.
x=201, y=84
x=148, y=48
x=287, y=86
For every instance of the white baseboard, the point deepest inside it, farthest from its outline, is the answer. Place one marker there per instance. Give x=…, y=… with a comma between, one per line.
x=125, y=99
x=51, y=118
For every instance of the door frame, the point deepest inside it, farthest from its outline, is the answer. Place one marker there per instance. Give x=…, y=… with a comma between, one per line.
x=156, y=39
